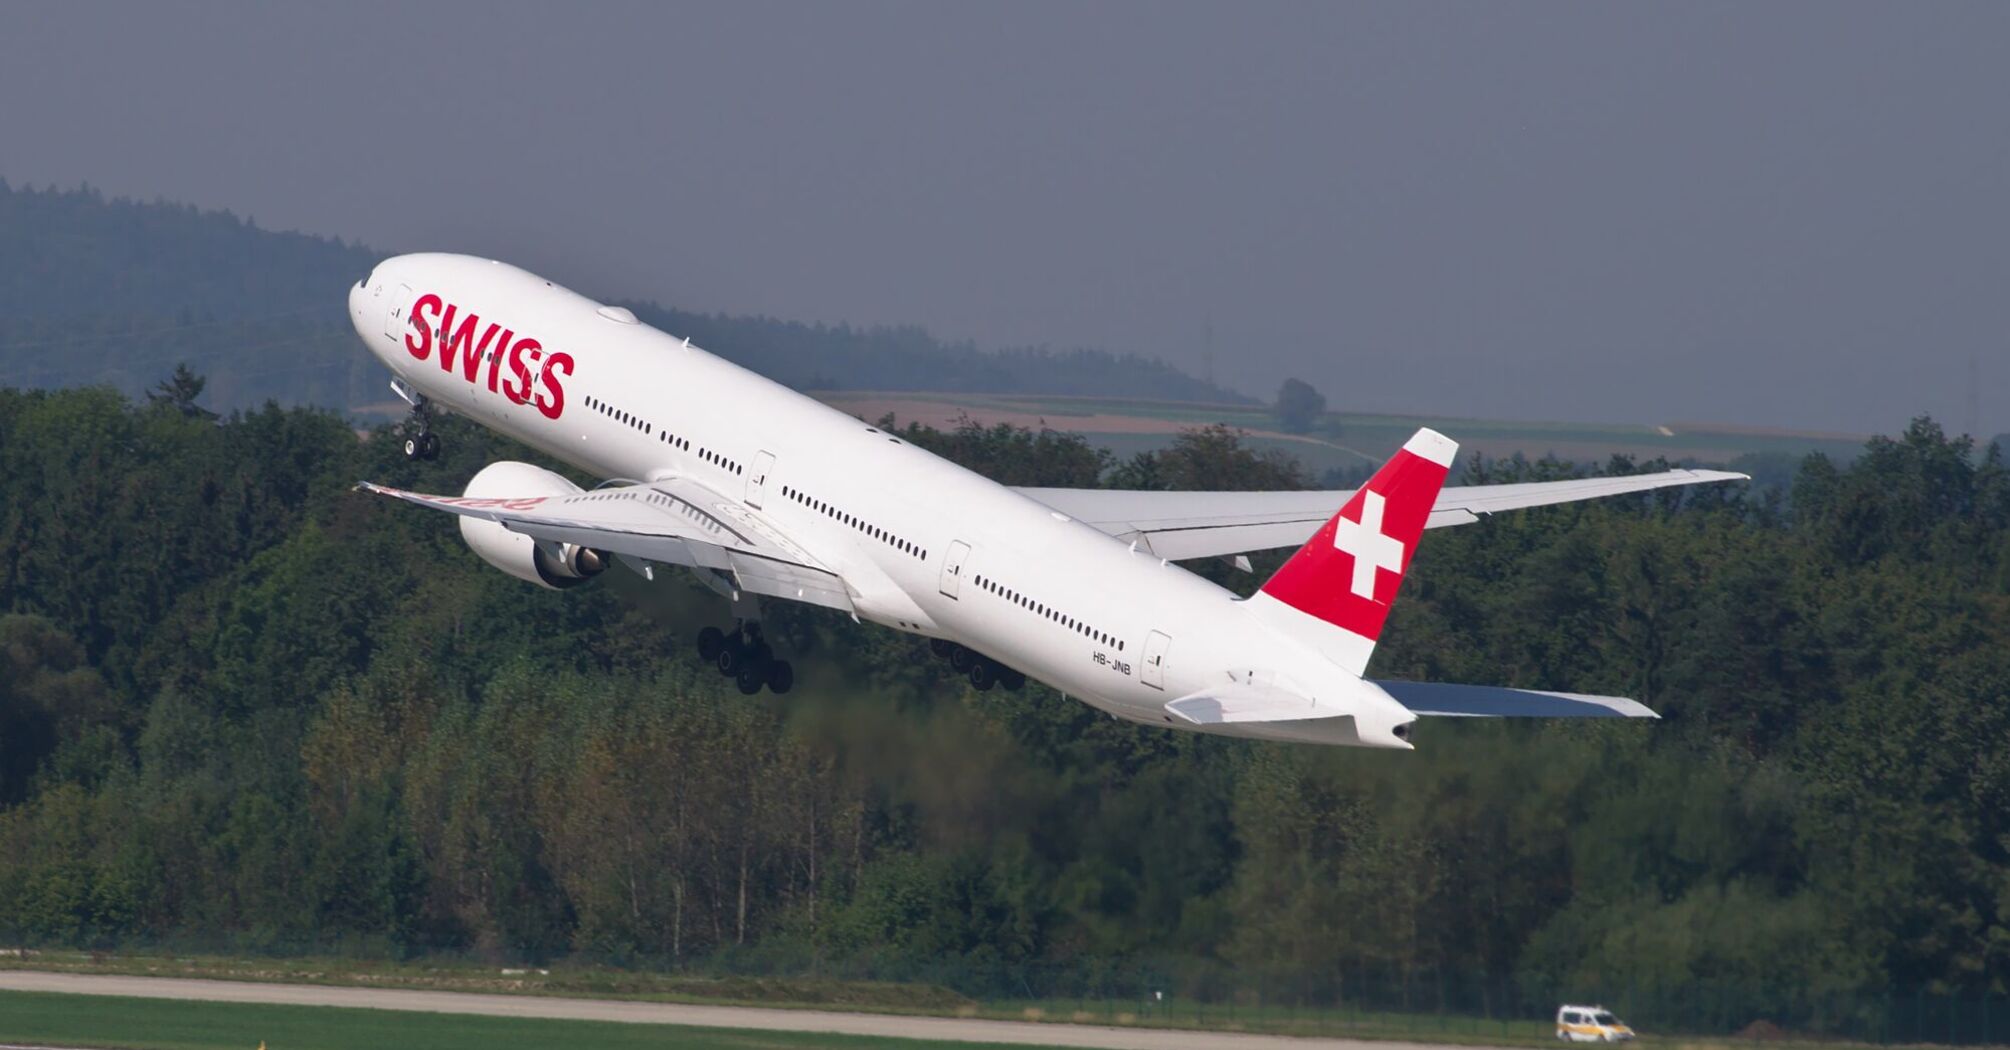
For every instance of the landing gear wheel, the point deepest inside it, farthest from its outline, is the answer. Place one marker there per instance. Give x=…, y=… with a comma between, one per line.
x=422, y=444
x=710, y=641
x=961, y=659
x=983, y=675
x=1011, y=679
x=749, y=680
x=730, y=660
x=941, y=646
x=781, y=677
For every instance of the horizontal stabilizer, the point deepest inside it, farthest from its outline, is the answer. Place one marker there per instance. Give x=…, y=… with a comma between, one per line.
x=1491, y=701
x=1258, y=700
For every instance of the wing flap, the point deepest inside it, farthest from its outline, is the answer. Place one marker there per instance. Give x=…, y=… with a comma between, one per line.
x=1443, y=700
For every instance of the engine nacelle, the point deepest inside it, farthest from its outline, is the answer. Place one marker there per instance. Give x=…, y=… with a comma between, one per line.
x=553, y=565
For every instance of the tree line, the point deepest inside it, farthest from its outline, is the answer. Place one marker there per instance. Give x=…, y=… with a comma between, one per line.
x=244, y=707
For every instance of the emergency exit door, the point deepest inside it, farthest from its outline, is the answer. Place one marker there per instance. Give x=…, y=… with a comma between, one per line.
x=1152, y=665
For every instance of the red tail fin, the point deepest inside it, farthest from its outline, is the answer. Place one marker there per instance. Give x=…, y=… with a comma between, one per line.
x=1349, y=572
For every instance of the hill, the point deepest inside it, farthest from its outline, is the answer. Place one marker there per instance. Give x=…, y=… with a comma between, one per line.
x=95, y=290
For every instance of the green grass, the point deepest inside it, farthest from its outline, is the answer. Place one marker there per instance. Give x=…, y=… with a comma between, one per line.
x=160, y=1024
x=165, y=1024
x=460, y=975
x=1277, y=1019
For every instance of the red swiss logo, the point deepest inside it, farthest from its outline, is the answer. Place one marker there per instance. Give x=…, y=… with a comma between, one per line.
x=515, y=366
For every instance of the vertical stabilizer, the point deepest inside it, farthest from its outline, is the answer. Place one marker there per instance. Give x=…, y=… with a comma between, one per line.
x=1336, y=591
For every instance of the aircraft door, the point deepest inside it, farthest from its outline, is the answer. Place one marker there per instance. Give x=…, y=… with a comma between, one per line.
x=1152, y=665
x=952, y=568
x=394, y=311
x=757, y=478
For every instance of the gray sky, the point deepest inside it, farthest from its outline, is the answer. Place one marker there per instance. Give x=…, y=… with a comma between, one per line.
x=1784, y=213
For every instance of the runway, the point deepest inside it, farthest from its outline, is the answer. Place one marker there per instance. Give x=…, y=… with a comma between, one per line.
x=971, y=1030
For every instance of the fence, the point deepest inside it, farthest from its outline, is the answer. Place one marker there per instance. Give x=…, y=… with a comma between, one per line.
x=1424, y=1002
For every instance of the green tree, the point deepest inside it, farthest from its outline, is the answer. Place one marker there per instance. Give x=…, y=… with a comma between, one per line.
x=1298, y=406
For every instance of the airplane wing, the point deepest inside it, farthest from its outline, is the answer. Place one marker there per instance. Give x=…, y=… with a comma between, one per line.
x=675, y=521
x=1182, y=525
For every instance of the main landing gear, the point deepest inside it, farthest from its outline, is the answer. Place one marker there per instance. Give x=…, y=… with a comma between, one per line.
x=982, y=671
x=745, y=657
x=422, y=443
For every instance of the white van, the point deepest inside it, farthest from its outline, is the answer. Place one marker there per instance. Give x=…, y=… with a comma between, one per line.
x=1590, y=1024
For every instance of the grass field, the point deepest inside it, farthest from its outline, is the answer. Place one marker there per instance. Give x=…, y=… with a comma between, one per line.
x=913, y=999
x=86, y=1020
x=162, y=1024
x=1344, y=440
x=458, y=975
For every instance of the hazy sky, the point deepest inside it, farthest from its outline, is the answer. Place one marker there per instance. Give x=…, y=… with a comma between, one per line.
x=1778, y=213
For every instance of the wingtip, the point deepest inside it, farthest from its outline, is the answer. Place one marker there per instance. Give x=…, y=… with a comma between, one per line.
x=1703, y=475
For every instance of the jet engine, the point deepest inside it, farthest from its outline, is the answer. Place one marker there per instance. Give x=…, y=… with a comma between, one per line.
x=553, y=565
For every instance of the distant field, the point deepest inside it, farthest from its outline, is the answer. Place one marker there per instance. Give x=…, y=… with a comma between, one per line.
x=165, y=1024
x=1130, y=426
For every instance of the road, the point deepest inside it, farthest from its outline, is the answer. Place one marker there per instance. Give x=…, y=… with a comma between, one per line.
x=957, y=1029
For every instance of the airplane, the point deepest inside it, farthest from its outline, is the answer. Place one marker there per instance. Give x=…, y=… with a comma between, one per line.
x=764, y=493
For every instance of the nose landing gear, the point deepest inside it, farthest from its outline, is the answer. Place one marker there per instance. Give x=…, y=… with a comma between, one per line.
x=746, y=658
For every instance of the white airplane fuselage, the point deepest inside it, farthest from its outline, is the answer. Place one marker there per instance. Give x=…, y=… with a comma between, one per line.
x=926, y=546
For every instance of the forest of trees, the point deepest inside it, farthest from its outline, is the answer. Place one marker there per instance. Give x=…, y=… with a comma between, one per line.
x=245, y=708
x=115, y=292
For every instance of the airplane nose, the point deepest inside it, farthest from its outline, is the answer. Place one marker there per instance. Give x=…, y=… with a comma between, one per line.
x=359, y=300
x=367, y=306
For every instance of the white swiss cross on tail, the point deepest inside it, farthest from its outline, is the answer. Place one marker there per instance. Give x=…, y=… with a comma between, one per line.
x=1371, y=548
x=1350, y=570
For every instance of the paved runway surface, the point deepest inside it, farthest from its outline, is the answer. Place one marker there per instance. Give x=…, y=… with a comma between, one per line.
x=746, y=1017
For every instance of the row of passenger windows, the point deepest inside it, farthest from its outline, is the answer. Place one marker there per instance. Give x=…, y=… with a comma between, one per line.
x=633, y=420
x=853, y=520
x=619, y=415
x=720, y=461
x=1049, y=612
